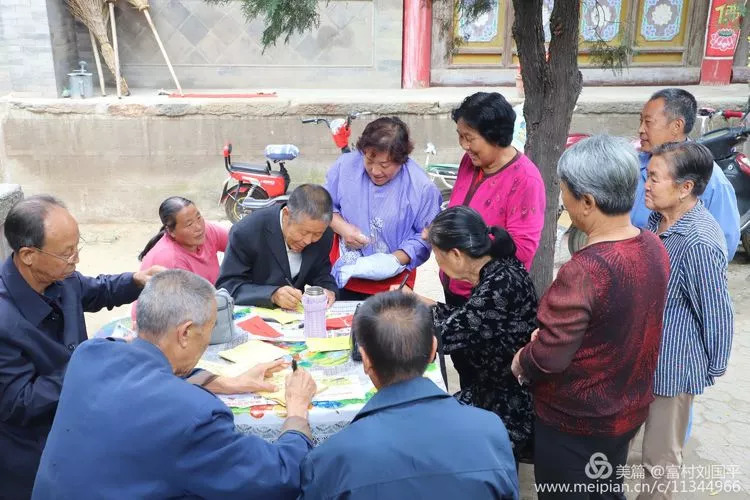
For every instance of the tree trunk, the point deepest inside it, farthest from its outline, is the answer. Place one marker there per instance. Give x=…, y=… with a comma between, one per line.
x=552, y=87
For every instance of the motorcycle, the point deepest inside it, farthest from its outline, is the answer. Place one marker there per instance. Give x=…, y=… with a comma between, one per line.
x=252, y=187
x=723, y=144
x=443, y=175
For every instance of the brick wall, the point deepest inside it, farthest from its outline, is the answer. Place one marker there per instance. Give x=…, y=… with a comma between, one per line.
x=26, y=65
x=37, y=47
x=358, y=44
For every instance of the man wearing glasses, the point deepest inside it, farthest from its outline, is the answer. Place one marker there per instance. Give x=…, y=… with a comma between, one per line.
x=42, y=301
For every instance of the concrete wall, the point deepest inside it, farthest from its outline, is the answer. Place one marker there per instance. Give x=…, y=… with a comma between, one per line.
x=357, y=45
x=10, y=194
x=120, y=163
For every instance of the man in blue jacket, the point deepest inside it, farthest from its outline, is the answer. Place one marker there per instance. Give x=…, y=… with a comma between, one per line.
x=42, y=301
x=669, y=116
x=128, y=426
x=411, y=440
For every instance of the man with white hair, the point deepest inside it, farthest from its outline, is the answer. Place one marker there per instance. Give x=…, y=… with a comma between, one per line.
x=129, y=426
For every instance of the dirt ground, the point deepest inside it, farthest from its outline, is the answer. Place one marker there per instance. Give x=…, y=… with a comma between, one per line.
x=720, y=429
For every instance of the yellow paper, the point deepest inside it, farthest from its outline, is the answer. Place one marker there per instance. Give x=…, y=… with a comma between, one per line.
x=283, y=317
x=279, y=380
x=253, y=352
x=221, y=369
x=340, y=343
x=340, y=388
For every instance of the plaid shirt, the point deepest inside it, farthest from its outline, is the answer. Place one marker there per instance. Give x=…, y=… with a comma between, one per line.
x=698, y=317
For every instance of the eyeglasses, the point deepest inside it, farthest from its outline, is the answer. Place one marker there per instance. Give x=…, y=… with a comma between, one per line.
x=68, y=259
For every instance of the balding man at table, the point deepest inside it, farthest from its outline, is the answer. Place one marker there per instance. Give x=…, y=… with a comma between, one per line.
x=411, y=440
x=128, y=426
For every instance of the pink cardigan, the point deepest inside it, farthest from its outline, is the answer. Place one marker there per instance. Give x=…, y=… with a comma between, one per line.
x=513, y=199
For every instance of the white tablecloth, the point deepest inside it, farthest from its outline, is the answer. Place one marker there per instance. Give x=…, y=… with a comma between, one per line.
x=326, y=418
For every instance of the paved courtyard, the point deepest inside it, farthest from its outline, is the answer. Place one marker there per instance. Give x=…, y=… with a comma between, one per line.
x=720, y=440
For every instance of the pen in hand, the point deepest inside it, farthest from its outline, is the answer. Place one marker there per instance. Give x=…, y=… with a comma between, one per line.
x=295, y=297
x=403, y=281
x=294, y=365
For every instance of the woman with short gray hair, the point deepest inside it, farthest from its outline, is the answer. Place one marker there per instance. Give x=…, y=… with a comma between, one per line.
x=698, y=319
x=591, y=363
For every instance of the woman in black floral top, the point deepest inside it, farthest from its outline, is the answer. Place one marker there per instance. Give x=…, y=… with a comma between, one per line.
x=496, y=320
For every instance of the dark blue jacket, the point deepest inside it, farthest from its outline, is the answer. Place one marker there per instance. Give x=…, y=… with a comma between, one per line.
x=412, y=441
x=37, y=336
x=127, y=427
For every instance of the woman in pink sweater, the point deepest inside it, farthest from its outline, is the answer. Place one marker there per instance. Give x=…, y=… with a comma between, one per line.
x=185, y=240
x=495, y=179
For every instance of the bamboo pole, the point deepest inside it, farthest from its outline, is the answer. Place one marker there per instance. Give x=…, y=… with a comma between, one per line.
x=143, y=6
x=163, y=51
x=114, y=46
x=98, y=63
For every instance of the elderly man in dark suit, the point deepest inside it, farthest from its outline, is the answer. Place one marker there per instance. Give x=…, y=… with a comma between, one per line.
x=273, y=253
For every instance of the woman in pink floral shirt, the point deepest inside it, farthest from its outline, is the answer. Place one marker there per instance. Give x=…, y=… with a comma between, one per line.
x=495, y=179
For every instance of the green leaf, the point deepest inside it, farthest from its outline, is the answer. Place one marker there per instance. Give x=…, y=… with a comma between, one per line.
x=281, y=18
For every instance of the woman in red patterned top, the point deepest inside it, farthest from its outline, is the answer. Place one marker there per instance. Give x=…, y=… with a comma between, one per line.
x=592, y=361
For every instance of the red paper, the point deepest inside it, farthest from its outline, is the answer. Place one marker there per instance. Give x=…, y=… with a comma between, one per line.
x=340, y=322
x=257, y=326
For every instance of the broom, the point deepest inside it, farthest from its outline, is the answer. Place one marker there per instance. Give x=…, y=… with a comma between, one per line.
x=142, y=6
x=118, y=76
x=98, y=63
x=93, y=15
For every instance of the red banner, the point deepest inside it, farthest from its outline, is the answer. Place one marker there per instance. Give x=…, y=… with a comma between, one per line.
x=723, y=30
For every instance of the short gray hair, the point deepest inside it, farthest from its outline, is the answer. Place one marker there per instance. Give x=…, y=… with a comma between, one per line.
x=396, y=331
x=678, y=103
x=312, y=201
x=688, y=161
x=24, y=224
x=604, y=167
x=171, y=298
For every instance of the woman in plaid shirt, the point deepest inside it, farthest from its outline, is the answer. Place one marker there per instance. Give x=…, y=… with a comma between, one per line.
x=698, y=317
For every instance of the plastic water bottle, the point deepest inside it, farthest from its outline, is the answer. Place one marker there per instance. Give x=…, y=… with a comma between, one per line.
x=314, y=302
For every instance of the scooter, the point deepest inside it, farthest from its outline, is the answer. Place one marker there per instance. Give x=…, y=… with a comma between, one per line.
x=723, y=144
x=247, y=181
x=443, y=175
x=252, y=187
